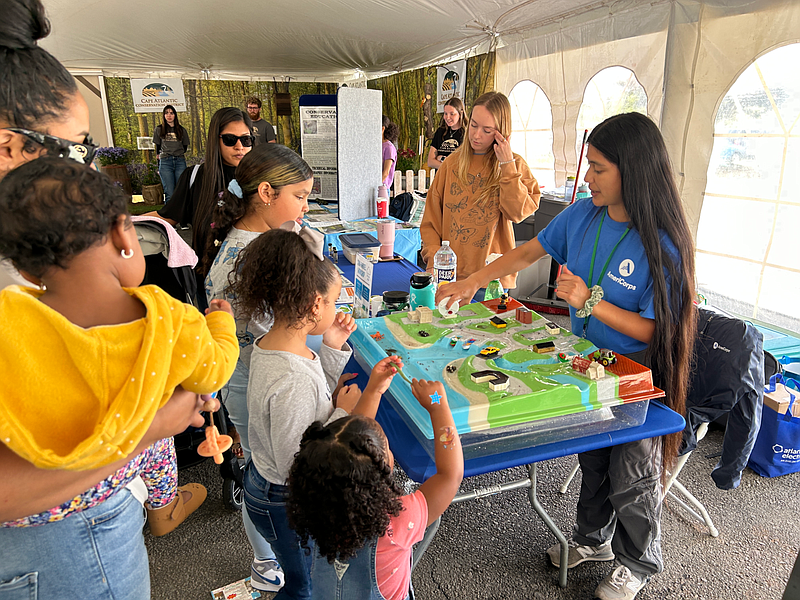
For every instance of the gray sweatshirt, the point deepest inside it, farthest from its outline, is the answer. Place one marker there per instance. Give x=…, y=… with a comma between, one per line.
x=285, y=395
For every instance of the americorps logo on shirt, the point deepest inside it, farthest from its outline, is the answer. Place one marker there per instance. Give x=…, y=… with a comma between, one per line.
x=626, y=269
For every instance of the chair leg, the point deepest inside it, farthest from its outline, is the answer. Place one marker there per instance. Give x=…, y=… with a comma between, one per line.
x=568, y=480
x=672, y=481
x=703, y=516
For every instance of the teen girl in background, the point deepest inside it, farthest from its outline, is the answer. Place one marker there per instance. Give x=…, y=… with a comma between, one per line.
x=450, y=135
x=197, y=192
x=389, y=148
x=171, y=140
x=628, y=277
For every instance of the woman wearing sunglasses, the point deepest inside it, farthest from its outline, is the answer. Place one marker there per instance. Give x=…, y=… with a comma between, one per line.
x=97, y=551
x=195, y=196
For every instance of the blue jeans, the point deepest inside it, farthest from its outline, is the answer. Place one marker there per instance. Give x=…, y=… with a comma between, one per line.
x=98, y=553
x=170, y=169
x=236, y=403
x=266, y=503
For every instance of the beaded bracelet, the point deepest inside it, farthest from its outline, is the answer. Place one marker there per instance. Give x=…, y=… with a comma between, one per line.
x=505, y=162
x=594, y=299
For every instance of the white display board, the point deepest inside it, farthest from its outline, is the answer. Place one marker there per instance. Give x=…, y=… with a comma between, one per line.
x=152, y=95
x=359, y=151
x=318, y=143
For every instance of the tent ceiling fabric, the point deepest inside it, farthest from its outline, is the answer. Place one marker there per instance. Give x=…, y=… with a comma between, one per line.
x=323, y=39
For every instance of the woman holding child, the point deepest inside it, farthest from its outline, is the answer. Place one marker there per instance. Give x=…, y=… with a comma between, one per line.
x=98, y=549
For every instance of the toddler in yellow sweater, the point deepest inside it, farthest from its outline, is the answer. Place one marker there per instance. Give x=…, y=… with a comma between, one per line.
x=88, y=358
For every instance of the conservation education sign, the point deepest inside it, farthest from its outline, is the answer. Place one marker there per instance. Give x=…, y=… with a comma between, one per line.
x=450, y=82
x=152, y=95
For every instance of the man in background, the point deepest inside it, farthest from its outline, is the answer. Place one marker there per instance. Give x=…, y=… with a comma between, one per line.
x=262, y=130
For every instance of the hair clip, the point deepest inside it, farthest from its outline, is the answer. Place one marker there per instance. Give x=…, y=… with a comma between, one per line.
x=220, y=202
x=314, y=240
x=235, y=189
x=217, y=243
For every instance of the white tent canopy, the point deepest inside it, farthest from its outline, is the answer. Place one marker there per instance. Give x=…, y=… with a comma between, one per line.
x=685, y=54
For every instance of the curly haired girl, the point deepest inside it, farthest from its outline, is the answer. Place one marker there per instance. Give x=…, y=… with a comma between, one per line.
x=343, y=496
x=284, y=274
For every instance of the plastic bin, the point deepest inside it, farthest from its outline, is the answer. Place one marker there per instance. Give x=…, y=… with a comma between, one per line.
x=360, y=243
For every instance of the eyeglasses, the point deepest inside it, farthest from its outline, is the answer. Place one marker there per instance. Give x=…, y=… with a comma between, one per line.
x=230, y=140
x=80, y=152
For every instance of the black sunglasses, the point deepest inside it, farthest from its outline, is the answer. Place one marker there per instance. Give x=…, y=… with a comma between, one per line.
x=80, y=152
x=230, y=140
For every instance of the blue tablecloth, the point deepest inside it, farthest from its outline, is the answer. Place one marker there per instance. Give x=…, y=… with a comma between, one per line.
x=406, y=241
x=390, y=275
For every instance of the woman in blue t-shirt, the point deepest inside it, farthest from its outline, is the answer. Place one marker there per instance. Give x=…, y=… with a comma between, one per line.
x=628, y=276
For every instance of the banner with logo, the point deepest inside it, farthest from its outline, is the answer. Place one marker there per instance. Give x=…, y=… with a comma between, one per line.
x=450, y=83
x=152, y=95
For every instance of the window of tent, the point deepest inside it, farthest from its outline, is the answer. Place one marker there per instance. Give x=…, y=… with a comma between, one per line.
x=748, y=260
x=532, y=131
x=612, y=91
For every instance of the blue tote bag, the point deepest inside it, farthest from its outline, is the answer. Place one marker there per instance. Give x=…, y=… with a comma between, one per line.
x=777, y=449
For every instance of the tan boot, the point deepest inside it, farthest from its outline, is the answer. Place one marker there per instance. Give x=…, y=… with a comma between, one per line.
x=167, y=518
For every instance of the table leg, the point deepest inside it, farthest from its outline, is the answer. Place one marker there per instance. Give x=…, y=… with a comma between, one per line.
x=562, y=573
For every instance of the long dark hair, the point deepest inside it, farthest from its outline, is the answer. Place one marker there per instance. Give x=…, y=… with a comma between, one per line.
x=35, y=87
x=341, y=489
x=213, y=175
x=164, y=128
x=634, y=144
x=273, y=163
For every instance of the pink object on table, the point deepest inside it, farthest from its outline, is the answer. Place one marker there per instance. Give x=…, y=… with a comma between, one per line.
x=383, y=201
x=386, y=237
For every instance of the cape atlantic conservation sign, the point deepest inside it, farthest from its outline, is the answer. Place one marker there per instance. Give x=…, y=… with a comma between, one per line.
x=152, y=95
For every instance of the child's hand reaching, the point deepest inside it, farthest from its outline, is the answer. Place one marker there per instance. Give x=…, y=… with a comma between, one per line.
x=348, y=397
x=430, y=394
x=219, y=305
x=382, y=374
x=341, y=328
x=342, y=381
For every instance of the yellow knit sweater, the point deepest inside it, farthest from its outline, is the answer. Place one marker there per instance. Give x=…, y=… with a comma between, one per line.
x=78, y=399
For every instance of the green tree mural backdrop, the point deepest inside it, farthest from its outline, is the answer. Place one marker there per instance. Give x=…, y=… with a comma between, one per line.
x=404, y=101
x=203, y=99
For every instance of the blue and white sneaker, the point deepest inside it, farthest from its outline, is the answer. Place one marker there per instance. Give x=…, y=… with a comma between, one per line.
x=266, y=575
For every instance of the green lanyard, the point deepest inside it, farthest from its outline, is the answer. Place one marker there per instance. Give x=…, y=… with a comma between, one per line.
x=605, y=267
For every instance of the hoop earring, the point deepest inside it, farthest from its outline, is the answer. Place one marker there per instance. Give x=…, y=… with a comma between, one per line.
x=126, y=254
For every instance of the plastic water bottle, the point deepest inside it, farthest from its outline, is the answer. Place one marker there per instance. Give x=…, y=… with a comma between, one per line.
x=444, y=264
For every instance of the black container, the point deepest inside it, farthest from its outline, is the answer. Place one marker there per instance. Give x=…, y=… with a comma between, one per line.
x=395, y=301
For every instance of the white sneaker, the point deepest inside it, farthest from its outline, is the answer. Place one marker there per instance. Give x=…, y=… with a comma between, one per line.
x=579, y=554
x=266, y=575
x=621, y=584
